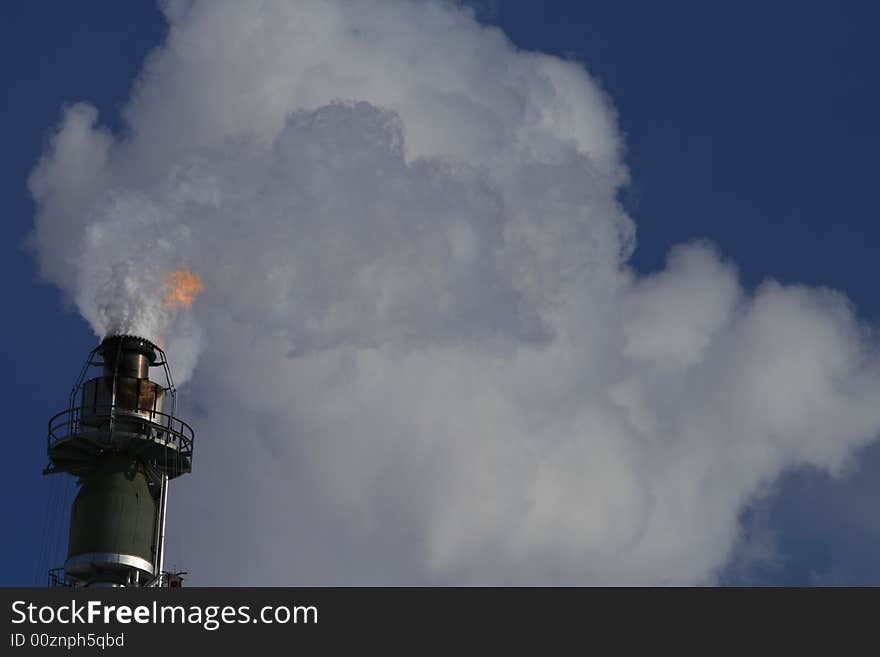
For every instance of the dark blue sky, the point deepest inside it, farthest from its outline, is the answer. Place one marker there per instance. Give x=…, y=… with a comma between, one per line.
x=751, y=124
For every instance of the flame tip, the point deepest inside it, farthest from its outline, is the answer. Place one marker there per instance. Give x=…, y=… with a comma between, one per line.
x=181, y=288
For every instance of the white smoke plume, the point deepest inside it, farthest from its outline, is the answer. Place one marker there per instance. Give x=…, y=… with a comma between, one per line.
x=420, y=355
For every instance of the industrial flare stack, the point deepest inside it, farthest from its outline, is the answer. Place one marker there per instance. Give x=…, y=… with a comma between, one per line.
x=120, y=437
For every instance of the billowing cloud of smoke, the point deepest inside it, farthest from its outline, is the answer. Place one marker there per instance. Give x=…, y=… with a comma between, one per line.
x=419, y=356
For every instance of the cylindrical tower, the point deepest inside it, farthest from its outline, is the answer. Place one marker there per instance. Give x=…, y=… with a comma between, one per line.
x=120, y=437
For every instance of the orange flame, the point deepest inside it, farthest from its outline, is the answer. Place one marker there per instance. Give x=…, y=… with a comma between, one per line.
x=181, y=288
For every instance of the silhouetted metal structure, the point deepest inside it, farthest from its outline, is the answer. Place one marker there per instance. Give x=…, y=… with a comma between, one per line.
x=121, y=438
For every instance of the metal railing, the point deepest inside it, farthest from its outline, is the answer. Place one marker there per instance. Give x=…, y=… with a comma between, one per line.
x=58, y=579
x=108, y=426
